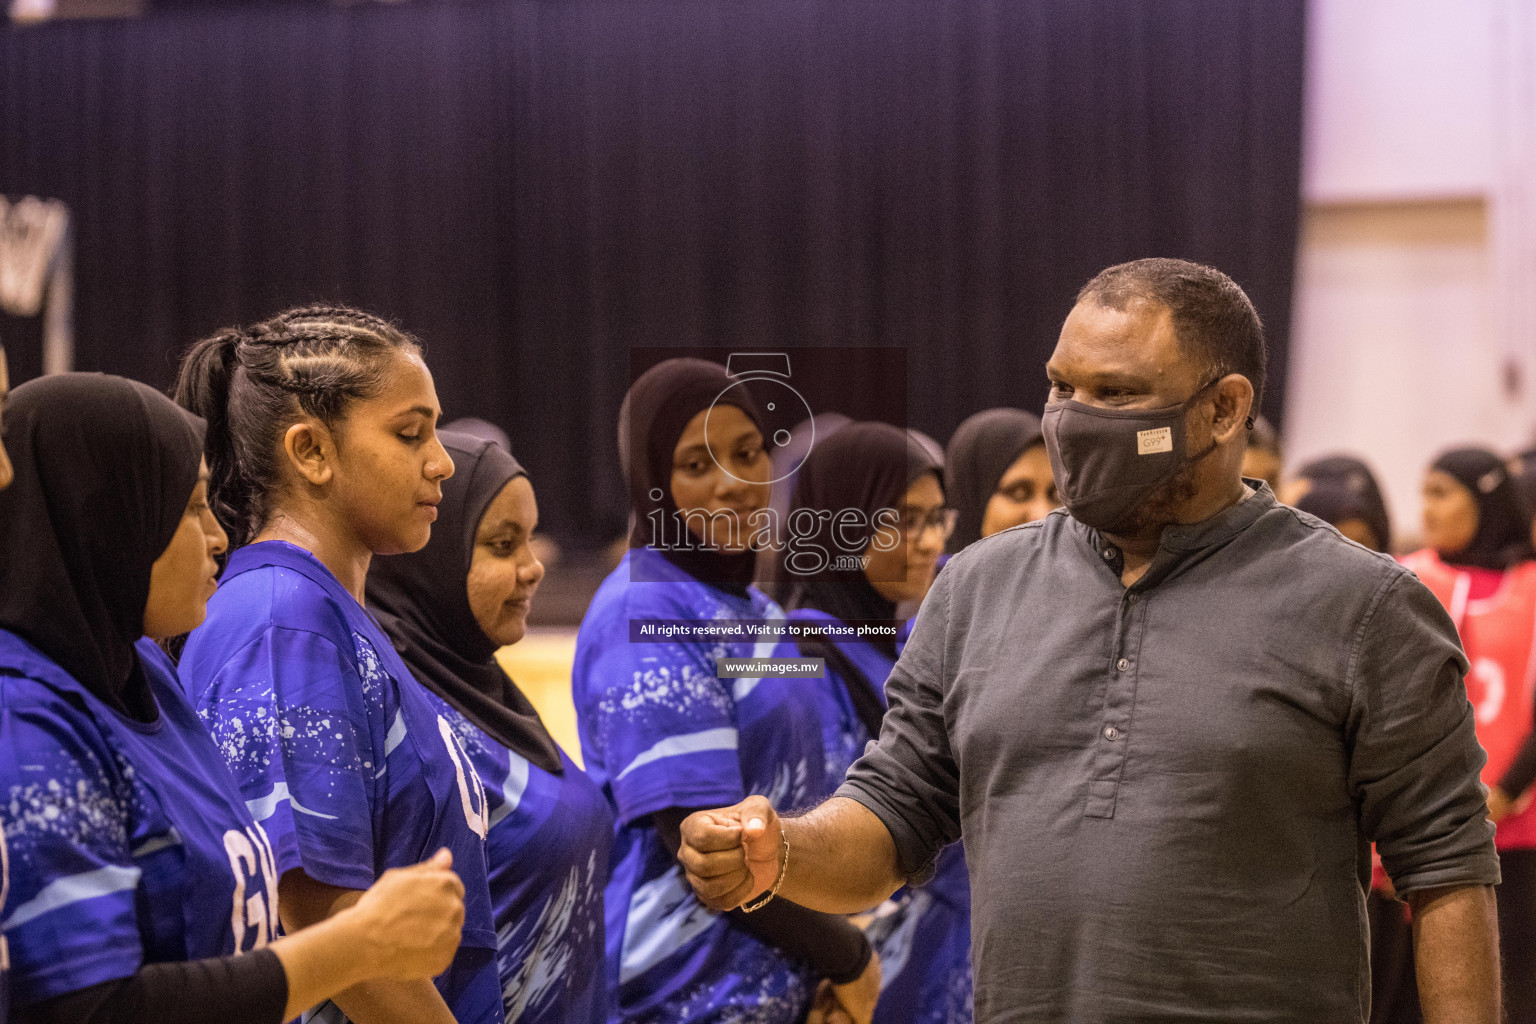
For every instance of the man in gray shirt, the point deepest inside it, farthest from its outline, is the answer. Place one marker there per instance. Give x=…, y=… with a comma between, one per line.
x=1166, y=725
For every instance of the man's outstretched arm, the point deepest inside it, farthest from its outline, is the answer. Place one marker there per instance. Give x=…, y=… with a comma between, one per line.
x=842, y=859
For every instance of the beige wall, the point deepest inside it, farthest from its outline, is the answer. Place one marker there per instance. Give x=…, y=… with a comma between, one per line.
x=1396, y=354
x=1399, y=99
x=1401, y=343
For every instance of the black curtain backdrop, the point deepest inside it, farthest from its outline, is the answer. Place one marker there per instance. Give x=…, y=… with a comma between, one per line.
x=536, y=187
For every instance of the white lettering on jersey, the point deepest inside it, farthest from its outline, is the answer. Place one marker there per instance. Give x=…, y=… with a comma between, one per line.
x=255, y=905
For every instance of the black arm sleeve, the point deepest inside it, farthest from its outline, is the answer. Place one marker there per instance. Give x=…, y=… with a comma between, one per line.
x=248, y=989
x=1522, y=770
x=831, y=944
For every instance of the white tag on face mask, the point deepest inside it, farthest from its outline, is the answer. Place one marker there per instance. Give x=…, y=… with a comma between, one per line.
x=1150, y=442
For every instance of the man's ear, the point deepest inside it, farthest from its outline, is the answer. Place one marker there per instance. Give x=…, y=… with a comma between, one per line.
x=1233, y=399
x=311, y=451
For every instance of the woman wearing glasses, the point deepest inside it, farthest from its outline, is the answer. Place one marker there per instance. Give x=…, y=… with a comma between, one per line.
x=997, y=474
x=875, y=475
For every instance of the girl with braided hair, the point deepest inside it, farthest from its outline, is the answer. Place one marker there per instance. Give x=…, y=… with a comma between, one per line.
x=322, y=453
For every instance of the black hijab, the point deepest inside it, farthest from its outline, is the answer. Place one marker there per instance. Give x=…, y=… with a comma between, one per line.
x=422, y=601
x=865, y=466
x=1525, y=481
x=1503, y=534
x=104, y=470
x=655, y=412
x=980, y=452
x=1342, y=487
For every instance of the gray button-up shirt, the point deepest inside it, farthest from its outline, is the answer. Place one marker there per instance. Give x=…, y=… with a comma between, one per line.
x=1166, y=792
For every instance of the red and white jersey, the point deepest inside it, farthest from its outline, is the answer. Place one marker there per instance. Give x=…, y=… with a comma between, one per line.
x=1498, y=632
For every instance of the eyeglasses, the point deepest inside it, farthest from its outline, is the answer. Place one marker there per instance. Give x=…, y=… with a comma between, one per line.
x=914, y=523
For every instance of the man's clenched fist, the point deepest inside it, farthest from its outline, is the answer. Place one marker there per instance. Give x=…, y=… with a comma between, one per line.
x=732, y=854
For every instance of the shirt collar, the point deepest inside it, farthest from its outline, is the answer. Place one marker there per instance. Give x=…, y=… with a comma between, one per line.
x=283, y=555
x=1224, y=525
x=1179, y=542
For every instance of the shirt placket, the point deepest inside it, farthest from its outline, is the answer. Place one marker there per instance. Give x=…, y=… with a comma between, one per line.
x=1114, y=726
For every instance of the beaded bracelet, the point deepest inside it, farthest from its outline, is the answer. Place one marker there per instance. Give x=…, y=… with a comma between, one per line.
x=783, y=870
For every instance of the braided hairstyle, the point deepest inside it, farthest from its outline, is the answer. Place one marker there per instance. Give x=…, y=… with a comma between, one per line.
x=252, y=383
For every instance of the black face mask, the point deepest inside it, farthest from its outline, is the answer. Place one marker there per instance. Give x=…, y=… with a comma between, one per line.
x=1108, y=461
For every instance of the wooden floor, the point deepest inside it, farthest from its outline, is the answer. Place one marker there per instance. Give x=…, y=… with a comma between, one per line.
x=541, y=664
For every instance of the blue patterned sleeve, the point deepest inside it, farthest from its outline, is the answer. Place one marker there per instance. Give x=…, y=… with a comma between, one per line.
x=664, y=727
x=288, y=714
x=70, y=918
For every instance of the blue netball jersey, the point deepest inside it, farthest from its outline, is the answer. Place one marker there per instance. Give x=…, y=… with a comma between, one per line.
x=923, y=935
x=547, y=851
x=128, y=843
x=337, y=750
x=659, y=730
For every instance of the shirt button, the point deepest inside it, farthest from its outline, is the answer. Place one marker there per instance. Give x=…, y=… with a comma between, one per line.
x=1111, y=733
x=1134, y=598
x=1109, y=554
x=1122, y=665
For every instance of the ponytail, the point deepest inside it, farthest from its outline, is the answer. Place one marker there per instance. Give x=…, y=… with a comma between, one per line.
x=202, y=387
x=251, y=384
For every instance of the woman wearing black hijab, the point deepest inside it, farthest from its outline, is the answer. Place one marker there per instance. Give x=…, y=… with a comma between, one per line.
x=1342, y=491
x=889, y=483
x=129, y=842
x=448, y=608
x=997, y=474
x=1477, y=559
x=665, y=736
